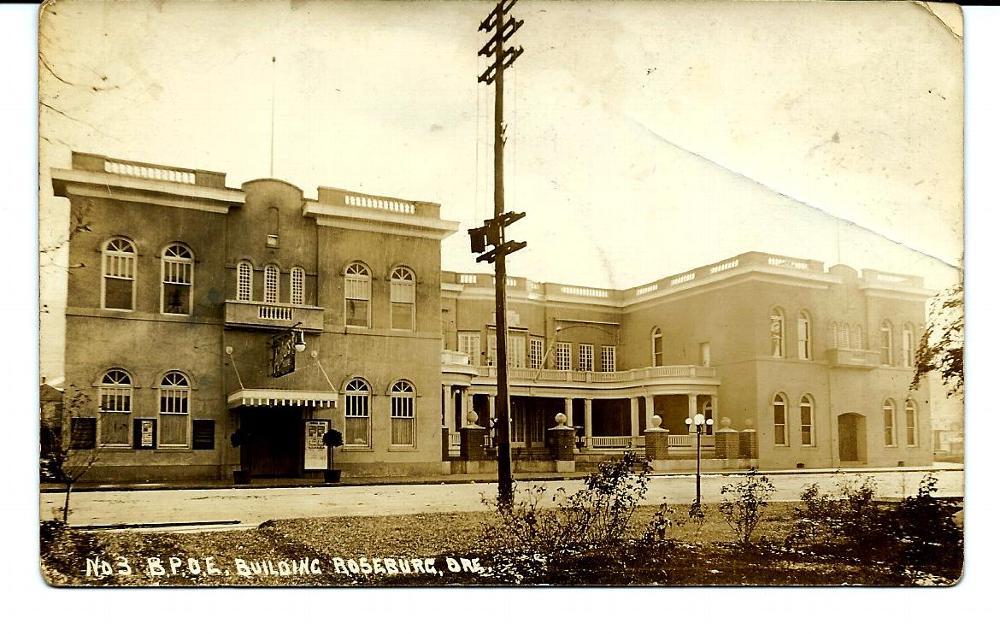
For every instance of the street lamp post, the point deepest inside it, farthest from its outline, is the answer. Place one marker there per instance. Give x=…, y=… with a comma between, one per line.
x=700, y=425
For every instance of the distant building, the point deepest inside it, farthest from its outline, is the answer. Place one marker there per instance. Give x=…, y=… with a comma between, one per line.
x=195, y=310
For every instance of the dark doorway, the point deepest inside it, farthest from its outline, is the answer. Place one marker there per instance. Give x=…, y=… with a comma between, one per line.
x=275, y=443
x=851, y=434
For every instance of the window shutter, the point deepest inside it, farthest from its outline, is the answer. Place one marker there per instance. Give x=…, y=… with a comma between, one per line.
x=83, y=433
x=203, y=434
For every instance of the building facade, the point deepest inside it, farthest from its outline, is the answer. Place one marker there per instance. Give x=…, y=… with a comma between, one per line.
x=216, y=329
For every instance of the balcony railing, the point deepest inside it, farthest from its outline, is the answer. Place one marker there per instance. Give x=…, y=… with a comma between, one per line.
x=267, y=316
x=575, y=376
x=853, y=358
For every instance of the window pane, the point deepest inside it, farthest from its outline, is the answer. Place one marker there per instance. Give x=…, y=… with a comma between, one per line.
x=402, y=431
x=402, y=316
x=890, y=432
x=115, y=429
x=357, y=312
x=173, y=430
x=356, y=432
x=118, y=293
x=176, y=299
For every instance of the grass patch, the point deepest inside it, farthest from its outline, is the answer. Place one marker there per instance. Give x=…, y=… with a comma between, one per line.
x=385, y=551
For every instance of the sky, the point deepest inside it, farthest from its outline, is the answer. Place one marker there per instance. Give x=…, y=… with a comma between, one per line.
x=644, y=138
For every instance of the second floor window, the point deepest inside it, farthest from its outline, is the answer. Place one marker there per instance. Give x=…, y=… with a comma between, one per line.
x=586, y=357
x=178, y=280
x=358, y=295
x=564, y=352
x=657, y=340
x=885, y=343
x=468, y=342
x=516, y=350
x=297, y=286
x=244, y=282
x=609, y=359
x=118, y=274
x=805, y=336
x=908, y=345
x=777, y=333
x=402, y=297
x=272, y=275
x=537, y=352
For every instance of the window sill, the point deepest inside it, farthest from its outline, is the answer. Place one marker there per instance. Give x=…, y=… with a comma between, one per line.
x=403, y=448
x=356, y=448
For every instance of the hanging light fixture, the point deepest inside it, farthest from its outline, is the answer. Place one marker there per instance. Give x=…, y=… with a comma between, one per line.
x=300, y=341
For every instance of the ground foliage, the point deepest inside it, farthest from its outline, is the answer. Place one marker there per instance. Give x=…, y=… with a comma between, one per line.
x=603, y=535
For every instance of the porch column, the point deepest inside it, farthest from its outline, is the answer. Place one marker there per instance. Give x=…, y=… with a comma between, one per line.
x=588, y=412
x=463, y=405
x=568, y=410
x=649, y=415
x=714, y=399
x=634, y=407
x=692, y=405
x=448, y=412
x=493, y=407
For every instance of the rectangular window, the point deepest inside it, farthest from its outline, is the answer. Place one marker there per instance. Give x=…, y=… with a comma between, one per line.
x=609, y=359
x=403, y=299
x=537, y=352
x=403, y=430
x=119, y=278
x=889, y=425
x=706, y=354
x=780, y=424
x=358, y=296
x=468, y=343
x=807, y=424
x=491, y=348
x=173, y=427
x=402, y=316
x=586, y=357
x=298, y=286
x=82, y=433
x=911, y=427
x=516, y=352
x=271, y=282
x=177, y=287
x=357, y=427
x=805, y=337
x=564, y=353
x=203, y=434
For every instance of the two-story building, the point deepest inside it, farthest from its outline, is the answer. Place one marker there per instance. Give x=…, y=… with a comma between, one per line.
x=214, y=329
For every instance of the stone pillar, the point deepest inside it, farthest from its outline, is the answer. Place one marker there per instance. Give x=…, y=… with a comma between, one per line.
x=656, y=443
x=714, y=399
x=492, y=398
x=568, y=411
x=727, y=440
x=563, y=437
x=692, y=406
x=490, y=425
x=748, y=444
x=472, y=438
x=634, y=406
x=448, y=413
x=588, y=420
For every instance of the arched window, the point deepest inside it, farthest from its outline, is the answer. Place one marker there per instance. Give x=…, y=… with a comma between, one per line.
x=244, y=282
x=358, y=295
x=118, y=274
x=657, y=341
x=857, y=336
x=272, y=277
x=175, y=415
x=297, y=285
x=806, y=419
x=178, y=280
x=844, y=335
x=805, y=336
x=885, y=343
x=777, y=331
x=780, y=405
x=357, y=414
x=911, y=424
x=404, y=429
x=402, y=298
x=908, y=345
x=115, y=409
x=889, y=422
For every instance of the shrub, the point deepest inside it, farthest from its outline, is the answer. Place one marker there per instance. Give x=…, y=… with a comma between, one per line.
x=523, y=537
x=743, y=504
x=928, y=535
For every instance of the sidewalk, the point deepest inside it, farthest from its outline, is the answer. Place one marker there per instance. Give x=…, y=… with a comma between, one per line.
x=454, y=478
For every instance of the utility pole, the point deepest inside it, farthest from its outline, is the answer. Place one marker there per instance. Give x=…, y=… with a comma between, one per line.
x=493, y=230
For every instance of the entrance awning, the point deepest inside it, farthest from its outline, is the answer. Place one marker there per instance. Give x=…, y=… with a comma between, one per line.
x=281, y=398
